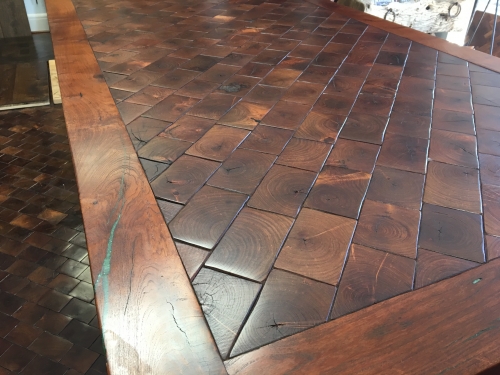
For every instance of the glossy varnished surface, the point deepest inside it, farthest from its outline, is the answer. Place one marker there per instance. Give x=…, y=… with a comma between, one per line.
x=308, y=165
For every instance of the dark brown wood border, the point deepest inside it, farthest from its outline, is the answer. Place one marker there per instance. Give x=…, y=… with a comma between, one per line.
x=475, y=57
x=152, y=323
x=150, y=317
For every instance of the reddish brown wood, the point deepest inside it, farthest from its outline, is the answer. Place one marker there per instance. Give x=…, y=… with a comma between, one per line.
x=396, y=330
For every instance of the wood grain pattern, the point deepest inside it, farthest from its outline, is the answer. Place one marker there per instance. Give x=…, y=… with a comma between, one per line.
x=317, y=246
x=163, y=149
x=283, y=190
x=454, y=121
x=452, y=232
x=13, y=19
x=452, y=186
x=225, y=300
x=245, y=115
x=267, y=139
x=207, y=216
x=242, y=171
x=286, y=115
x=183, y=178
x=395, y=329
x=433, y=267
x=396, y=187
x=250, y=246
x=364, y=128
x=304, y=154
x=339, y=191
x=371, y=276
x=192, y=257
x=353, y=155
x=320, y=127
x=405, y=153
x=218, y=143
x=288, y=304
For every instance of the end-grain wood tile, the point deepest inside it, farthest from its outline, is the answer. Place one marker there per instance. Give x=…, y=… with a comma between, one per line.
x=136, y=81
x=353, y=70
x=453, y=83
x=130, y=111
x=219, y=73
x=175, y=79
x=242, y=171
x=492, y=247
x=433, y=267
x=246, y=115
x=391, y=58
x=150, y=95
x=484, y=79
x=207, y=216
x=265, y=94
x=286, y=115
x=168, y=209
x=192, y=257
x=255, y=70
x=452, y=186
x=453, y=100
x=452, y=70
x=357, y=156
x=416, y=106
x=329, y=59
x=364, y=128
x=317, y=74
x=305, y=51
x=388, y=72
x=486, y=95
x=183, y=178
x=388, y=227
x=454, y=121
x=283, y=190
x=142, y=130
x=198, y=88
x=303, y=92
x=288, y=304
x=405, y=153
x=334, y=104
x=238, y=85
x=396, y=187
x=339, y=191
x=214, y=106
x=452, y=232
x=380, y=86
x=225, y=300
x=488, y=142
x=486, y=117
x=320, y=127
x=200, y=63
x=491, y=209
x=317, y=246
x=163, y=149
x=251, y=244
x=218, y=143
x=165, y=64
x=304, y=154
x=373, y=104
x=371, y=276
x=171, y=108
x=409, y=125
x=267, y=139
x=453, y=148
x=281, y=77
x=344, y=86
x=188, y=128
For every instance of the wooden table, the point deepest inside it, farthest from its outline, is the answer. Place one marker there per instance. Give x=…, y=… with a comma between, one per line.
x=330, y=183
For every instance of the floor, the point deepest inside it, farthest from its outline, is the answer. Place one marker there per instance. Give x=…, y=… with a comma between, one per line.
x=48, y=322
x=306, y=168
x=24, y=78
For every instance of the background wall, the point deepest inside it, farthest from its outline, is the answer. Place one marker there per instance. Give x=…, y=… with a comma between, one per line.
x=37, y=15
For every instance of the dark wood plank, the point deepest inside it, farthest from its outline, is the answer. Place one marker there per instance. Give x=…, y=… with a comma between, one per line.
x=317, y=246
x=250, y=246
x=395, y=329
x=288, y=304
x=120, y=212
x=7, y=82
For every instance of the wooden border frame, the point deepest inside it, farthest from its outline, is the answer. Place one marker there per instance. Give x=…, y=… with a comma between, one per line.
x=152, y=322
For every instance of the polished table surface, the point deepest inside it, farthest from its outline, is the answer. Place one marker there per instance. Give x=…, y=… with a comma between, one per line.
x=270, y=167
